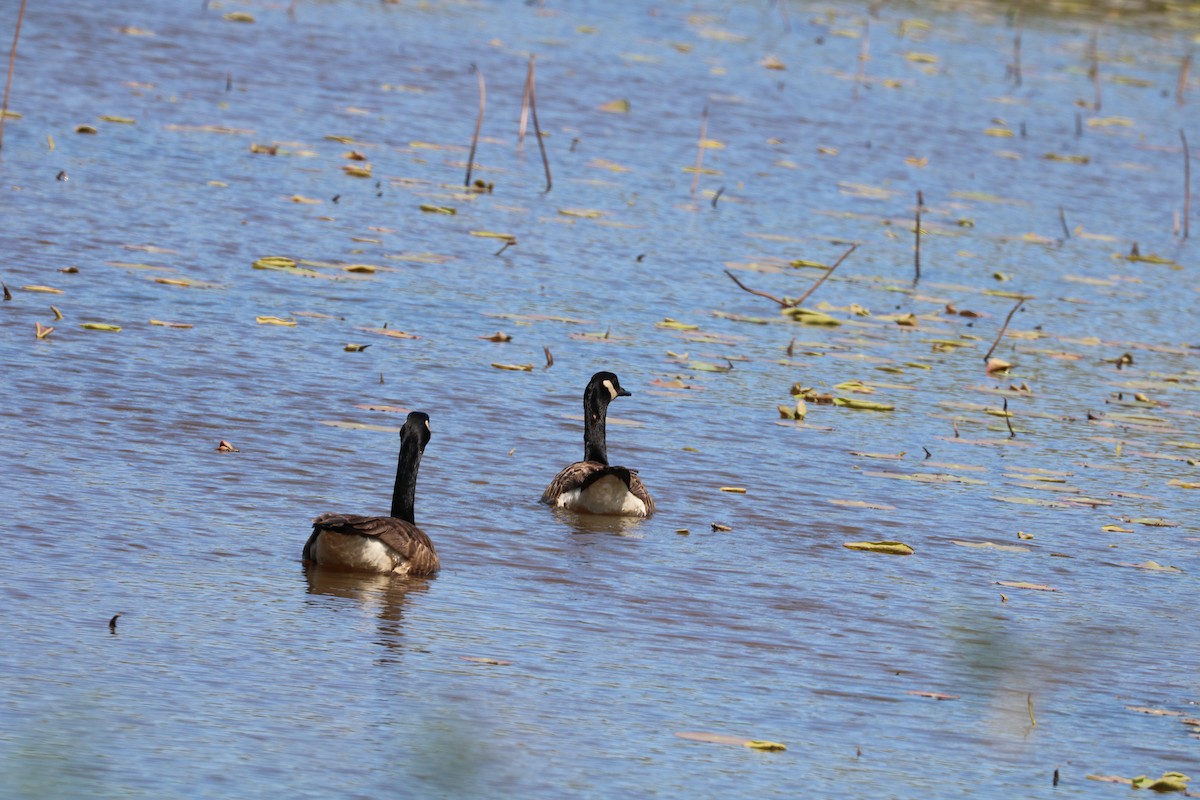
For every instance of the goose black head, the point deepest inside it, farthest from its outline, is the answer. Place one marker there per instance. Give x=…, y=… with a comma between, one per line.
x=604, y=387
x=416, y=430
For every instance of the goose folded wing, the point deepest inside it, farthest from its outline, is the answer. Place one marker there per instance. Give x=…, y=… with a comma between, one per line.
x=404, y=537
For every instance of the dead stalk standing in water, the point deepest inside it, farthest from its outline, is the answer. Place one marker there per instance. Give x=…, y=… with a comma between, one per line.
x=1094, y=71
x=700, y=149
x=12, y=60
x=917, y=227
x=1016, y=65
x=1003, y=328
x=531, y=97
x=478, y=124
x=1187, y=182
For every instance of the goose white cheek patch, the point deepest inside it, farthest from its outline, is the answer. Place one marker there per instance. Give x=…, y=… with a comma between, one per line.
x=612, y=393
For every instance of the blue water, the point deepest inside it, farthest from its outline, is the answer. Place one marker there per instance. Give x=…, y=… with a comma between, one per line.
x=233, y=673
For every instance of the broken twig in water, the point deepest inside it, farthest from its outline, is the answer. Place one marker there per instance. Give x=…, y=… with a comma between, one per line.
x=478, y=124
x=12, y=60
x=829, y=272
x=917, y=227
x=700, y=149
x=744, y=287
x=1187, y=182
x=1008, y=420
x=531, y=94
x=1003, y=328
x=787, y=303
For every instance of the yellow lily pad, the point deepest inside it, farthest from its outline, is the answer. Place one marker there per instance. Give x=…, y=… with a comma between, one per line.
x=891, y=548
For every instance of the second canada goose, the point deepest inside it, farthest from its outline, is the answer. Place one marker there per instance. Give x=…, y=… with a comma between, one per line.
x=592, y=485
x=381, y=544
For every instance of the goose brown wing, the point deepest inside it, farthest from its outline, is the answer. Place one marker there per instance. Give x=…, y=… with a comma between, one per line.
x=571, y=477
x=638, y=490
x=404, y=537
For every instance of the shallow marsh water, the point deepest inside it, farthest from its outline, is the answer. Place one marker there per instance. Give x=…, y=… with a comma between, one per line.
x=233, y=673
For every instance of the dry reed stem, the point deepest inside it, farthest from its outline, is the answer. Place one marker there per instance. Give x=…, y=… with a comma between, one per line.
x=917, y=253
x=1062, y=217
x=1018, y=23
x=1187, y=182
x=1003, y=328
x=478, y=124
x=12, y=61
x=700, y=148
x=537, y=130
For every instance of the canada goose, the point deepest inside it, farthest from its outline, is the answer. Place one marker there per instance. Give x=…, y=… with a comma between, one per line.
x=381, y=544
x=592, y=485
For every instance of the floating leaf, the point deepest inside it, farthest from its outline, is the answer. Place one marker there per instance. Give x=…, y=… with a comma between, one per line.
x=514, y=367
x=392, y=332
x=355, y=348
x=356, y=171
x=269, y=320
x=616, y=107
x=100, y=326
x=733, y=489
x=1169, y=782
x=721, y=738
x=1007, y=548
x=581, y=213
x=163, y=324
x=1070, y=159
x=1039, y=587
x=865, y=405
x=86, y=129
x=490, y=235
x=238, y=16
x=38, y=288
x=432, y=209
x=807, y=316
x=1183, y=484
x=862, y=504
x=358, y=426
x=892, y=548
x=1151, y=565
x=676, y=325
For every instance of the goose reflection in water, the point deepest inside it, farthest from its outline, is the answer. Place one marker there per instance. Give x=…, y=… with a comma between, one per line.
x=382, y=596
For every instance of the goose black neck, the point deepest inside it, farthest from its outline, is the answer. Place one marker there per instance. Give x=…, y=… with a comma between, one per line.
x=404, y=493
x=595, y=410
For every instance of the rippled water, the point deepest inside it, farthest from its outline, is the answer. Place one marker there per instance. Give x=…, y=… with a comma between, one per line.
x=233, y=673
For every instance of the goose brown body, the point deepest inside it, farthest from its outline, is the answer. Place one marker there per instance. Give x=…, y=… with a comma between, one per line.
x=381, y=544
